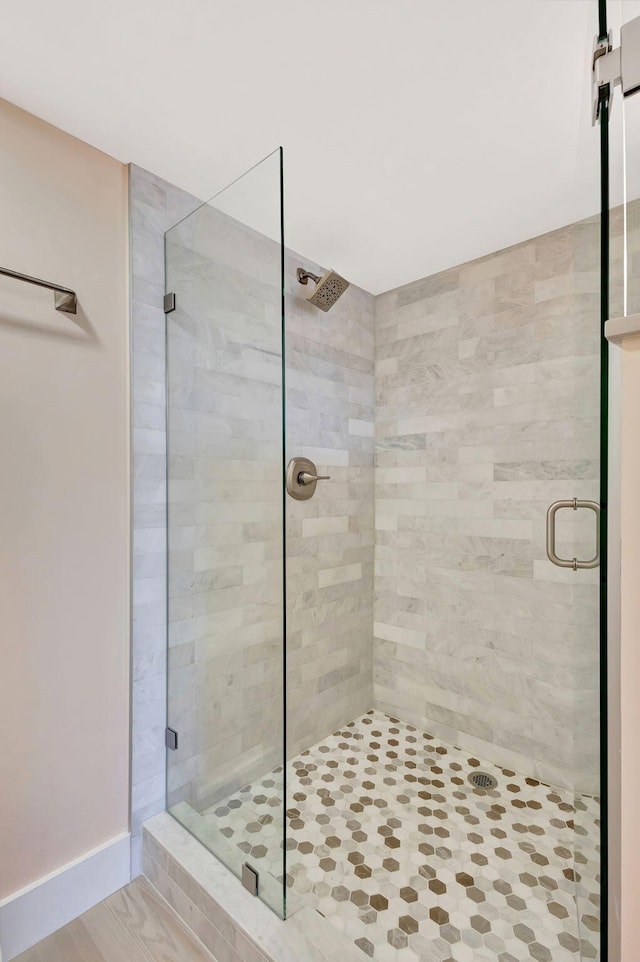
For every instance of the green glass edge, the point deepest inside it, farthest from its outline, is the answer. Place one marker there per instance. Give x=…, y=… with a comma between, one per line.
x=284, y=544
x=604, y=488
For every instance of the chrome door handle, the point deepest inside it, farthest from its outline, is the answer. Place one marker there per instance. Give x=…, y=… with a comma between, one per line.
x=305, y=478
x=574, y=504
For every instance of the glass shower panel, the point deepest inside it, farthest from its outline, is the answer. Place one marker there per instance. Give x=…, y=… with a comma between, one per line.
x=488, y=412
x=527, y=644
x=224, y=350
x=621, y=272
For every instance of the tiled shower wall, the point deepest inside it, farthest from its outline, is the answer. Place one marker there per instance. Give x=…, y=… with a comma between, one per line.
x=487, y=392
x=154, y=206
x=224, y=356
x=329, y=539
x=486, y=412
x=225, y=518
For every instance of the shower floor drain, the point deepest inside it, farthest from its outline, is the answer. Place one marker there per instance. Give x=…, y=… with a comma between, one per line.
x=483, y=780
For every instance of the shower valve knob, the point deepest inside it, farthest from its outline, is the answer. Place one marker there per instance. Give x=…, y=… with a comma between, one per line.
x=305, y=478
x=302, y=477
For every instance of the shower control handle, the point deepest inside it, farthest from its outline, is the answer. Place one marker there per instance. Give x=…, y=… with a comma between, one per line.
x=302, y=477
x=305, y=478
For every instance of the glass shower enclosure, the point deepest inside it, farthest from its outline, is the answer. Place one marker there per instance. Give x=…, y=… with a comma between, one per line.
x=224, y=376
x=440, y=789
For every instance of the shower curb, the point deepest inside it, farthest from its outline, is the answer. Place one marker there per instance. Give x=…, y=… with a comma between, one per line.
x=232, y=924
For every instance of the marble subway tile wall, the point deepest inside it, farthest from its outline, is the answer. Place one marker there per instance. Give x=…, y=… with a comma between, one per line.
x=227, y=659
x=226, y=536
x=486, y=411
x=487, y=392
x=155, y=206
x=330, y=538
x=226, y=542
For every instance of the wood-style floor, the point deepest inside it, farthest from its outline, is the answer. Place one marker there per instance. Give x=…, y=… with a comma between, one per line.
x=133, y=925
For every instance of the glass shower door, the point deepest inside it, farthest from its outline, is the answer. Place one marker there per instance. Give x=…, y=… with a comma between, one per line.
x=618, y=121
x=225, y=569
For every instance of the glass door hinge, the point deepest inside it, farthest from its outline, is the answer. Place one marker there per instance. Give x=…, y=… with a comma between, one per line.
x=171, y=739
x=606, y=74
x=616, y=66
x=169, y=302
x=250, y=879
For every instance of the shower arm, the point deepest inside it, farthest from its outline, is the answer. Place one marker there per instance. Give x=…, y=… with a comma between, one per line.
x=303, y=276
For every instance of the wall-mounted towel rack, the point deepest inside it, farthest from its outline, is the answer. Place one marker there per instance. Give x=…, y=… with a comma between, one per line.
x=65, y=300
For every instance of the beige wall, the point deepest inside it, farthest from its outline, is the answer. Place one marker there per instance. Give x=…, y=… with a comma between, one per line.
x=629, y=651
x=64, y=512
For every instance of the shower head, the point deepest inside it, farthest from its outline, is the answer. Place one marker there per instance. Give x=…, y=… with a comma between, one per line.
x=326, y=290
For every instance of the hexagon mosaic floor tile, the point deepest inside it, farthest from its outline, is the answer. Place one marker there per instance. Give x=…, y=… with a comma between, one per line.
x=412, y=863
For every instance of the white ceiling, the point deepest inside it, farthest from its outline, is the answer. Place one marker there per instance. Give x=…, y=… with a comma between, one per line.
x=417, y=133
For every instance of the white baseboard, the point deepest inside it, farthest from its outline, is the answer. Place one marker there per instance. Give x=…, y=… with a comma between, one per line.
x=46, y=905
